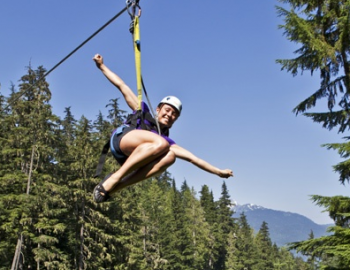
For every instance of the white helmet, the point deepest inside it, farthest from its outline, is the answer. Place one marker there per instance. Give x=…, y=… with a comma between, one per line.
x=173, y=101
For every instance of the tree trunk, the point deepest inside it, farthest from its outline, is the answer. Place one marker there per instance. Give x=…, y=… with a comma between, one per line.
x=17, y=255
x=30, y=170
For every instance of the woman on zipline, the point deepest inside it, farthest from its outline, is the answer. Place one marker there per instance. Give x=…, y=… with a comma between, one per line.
x=138, y=148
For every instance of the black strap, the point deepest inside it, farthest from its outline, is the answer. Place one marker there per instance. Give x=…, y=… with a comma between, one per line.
x=132, y=120
x=101, y=162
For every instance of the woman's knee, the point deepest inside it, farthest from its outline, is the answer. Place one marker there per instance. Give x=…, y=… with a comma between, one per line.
x=141, y=140
x=161, y=146
x=169, y=158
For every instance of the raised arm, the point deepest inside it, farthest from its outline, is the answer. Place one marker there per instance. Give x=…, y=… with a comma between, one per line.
x=200, y=163
x=129, y=96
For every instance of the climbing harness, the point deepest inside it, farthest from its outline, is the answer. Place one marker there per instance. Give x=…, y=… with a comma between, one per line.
x=139, y=119
x=134, y=11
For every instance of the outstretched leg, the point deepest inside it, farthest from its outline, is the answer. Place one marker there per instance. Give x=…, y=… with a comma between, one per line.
x=151, y=169
x=142, y=147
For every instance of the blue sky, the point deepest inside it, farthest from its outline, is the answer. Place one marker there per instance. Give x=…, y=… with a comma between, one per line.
x=218, y=58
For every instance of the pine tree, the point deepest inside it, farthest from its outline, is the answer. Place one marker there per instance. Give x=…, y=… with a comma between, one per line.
x=164, y=181
x=196, y=229
x=200, y=231
x=285, y=260
x=210, y=214
x=264, y=248
x=96, y=230
x=188, y=232
x=30, y=141
x=312, y=261
x=333, y=250
x=131, y=219
x=146, y=250
x=176, y=242
x=323, y=30
x=115, y=114
x=207, y=202
x=247, y=251
x=226, y=225
x=7, y=234
x=116, y=226
x=231, y=262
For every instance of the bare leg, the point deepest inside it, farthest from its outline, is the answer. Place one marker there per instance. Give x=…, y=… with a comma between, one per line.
x=142, y=147
x=153, y=168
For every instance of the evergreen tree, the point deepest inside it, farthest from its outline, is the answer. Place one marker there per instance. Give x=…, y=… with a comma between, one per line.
x=115, y=114
x=225, y=211
x=197, y=230
x=97, y=230
x=247, y=251
x=210, y=214
x=178, y=239
x=286, y=261
x=231, y=262
x=333, y=250
x=131, y=221
x=226, y=225
x=116, y=224
x=264, y=248
x=164, y=181
x=188, y=232
x=323, y=30
x=201, y=234
x=153, y=214
x=30, y=190
x=312, y=261
x=207, y=202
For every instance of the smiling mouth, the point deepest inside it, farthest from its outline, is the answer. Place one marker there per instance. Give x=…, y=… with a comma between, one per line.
x=166, y=121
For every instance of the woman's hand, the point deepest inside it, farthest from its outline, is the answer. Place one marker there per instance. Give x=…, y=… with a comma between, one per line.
x=130, y=98
x=225, y=173
x=98, y=60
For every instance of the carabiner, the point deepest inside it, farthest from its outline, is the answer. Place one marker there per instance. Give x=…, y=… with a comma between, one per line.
x=134, y=5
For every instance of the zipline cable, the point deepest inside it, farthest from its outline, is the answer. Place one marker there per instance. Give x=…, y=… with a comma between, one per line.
x=69, y=55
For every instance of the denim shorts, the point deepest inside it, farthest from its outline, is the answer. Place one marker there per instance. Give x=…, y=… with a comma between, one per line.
x=115, y=143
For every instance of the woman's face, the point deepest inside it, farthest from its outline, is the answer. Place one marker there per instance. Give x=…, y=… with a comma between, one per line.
x=167, y=115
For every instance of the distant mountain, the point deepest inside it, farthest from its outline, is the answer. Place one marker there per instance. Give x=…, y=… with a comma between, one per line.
x=284, y=227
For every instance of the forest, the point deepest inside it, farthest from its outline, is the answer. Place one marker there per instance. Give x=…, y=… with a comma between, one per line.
x=48, y=219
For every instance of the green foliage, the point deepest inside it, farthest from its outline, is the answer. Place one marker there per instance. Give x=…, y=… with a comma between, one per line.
x=247, y=250
x=48, y=219
x=264, y=248
x=333, y=250
x=323, y=30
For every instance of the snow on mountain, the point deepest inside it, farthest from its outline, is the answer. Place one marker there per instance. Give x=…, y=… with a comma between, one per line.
x=284, y=227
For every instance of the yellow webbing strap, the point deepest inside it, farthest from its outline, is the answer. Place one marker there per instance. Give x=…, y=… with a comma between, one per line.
x=137, y=50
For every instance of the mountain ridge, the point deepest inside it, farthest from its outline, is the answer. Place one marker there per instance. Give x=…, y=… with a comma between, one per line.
x=284, y=227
